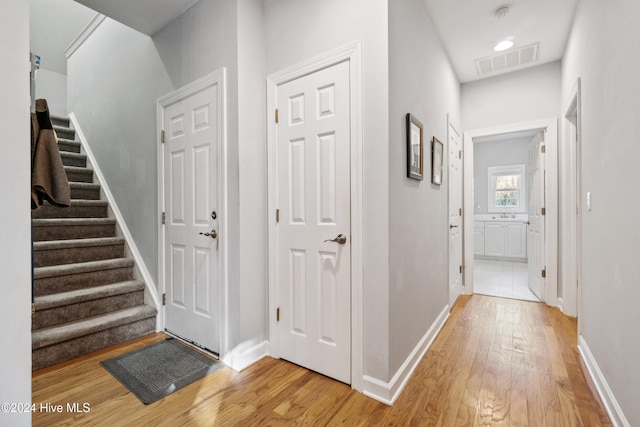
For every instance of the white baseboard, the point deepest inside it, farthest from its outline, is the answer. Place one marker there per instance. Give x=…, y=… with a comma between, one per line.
x=608, y=399
x=150, y=286
x=388, y=392
x=242, y=359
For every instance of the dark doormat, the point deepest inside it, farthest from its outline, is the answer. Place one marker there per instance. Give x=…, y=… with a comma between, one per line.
x=158, y=370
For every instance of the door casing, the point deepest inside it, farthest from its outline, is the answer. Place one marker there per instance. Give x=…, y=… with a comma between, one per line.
x=352, y=54
x=218, y=77
x=551, y=197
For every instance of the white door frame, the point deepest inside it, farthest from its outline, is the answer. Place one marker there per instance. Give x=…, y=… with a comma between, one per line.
x=352, y=54
x=218, y=77
x=551, y=196
x=571, y=301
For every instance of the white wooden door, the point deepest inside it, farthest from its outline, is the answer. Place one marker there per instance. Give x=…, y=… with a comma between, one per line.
x=313, y=186
x=536, y=229
x=455, y=214
x=191, y=198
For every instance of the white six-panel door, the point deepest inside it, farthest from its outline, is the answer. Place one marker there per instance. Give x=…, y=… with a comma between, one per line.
x=455, y=214
x=313, y=200
x=191, y=197
x=536, y=228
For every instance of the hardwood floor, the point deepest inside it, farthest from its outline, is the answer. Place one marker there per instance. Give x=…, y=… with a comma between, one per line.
x=496, y=362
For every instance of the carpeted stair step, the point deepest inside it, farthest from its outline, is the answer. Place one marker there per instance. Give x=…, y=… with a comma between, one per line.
x=73, y=159
x=85, y=190
x=61, y=252
x=60, y=121
x=77, y=174
x=64, y=342
x=70, y=277
x=65, y=307
x=72, y=228
x=65, y=132
x=78, y=209
x=68, y=145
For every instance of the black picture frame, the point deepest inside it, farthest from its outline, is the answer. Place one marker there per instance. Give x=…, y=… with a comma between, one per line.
x=437, y=159
x=415, y=148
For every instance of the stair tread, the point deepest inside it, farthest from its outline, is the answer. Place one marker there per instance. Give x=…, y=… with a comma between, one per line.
x=72, y=221
x=73, y=297
x=66, y=140
x=76, y=184
x=78, y=169
x=81, y=267
x=73, y=155
x=60, y=333
x=77, y=243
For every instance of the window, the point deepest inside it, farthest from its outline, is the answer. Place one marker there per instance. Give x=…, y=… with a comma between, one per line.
x=506, y=188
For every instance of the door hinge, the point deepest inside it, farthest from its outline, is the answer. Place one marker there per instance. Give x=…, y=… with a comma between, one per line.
x=277, y=215
x=543, y=149
x=460, y=211
x=162, y=136
x=543, y=211
x=460, y=154
x=164, y=299
x=460, y=269
x=544, y=273
x=278, y=314
x=276, y=115
x=164, y=218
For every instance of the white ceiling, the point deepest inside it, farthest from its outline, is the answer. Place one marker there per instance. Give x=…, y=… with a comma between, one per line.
x=469, y=29
x=146, y=16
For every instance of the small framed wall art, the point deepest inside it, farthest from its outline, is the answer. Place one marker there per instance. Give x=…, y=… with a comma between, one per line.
x=415, y=163
x=437, y=149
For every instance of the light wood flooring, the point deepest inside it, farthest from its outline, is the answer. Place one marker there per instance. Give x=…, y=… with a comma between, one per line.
x=496, y=362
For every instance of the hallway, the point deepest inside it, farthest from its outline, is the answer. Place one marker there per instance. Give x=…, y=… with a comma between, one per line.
x=495, y=362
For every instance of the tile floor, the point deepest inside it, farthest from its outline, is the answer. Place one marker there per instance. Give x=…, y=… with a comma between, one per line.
x=502, y=279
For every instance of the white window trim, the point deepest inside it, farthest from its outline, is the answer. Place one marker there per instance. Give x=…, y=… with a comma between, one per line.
x=493, y=171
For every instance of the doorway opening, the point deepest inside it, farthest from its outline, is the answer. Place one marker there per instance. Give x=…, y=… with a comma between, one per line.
x=510, y=189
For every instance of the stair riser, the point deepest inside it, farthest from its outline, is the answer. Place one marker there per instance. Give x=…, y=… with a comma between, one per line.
x=48, y=211
x=66, y=133
x=72, y=312
x=70, y=146
x=50, y=355
x=72, y=282
x=74, y=161
x=80, y=176
x=85, y=193
x=60, y=121
x=45, y=258
x=62, y=232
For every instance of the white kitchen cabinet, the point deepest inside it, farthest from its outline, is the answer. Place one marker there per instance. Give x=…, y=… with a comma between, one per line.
x=505, y=239
x=478, y=238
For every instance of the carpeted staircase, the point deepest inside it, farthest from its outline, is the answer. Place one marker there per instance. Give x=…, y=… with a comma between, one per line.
x=86, y=297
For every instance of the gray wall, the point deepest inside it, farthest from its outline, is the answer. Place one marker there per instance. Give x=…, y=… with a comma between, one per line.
x=521, y=96
x=15, y=217
x=602, y=51
x=423, y=83
x=495, y=153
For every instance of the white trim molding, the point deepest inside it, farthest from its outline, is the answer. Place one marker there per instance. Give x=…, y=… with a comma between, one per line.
x=150, y=286
x=608, y=399
x=83, y=35
x=388, y=392
x=218, y=78
x=239, y=358
x=352, y=54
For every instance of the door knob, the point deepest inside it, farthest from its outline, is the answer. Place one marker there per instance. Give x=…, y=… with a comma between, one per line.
x=340, y=238
x=213, y=234
x=452, y=226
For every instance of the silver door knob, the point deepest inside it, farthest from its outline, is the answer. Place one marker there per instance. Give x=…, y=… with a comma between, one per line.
x=340, y=238
x=213, y=234
x=452, y=226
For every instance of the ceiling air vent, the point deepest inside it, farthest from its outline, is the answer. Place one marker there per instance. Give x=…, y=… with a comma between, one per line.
x=508, y=59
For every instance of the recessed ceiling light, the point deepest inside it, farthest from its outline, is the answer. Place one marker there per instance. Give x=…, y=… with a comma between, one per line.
x=503, y=45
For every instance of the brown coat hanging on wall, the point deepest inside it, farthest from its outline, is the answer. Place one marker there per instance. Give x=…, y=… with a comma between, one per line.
x=48, y=179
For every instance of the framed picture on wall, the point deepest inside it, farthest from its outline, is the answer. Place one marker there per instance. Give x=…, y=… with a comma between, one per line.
x=437, y=149
x=415, y=164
